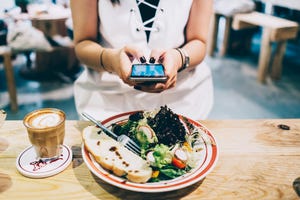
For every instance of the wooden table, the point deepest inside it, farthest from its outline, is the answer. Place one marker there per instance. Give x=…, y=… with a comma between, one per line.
x=51, y=25
x=257, y=160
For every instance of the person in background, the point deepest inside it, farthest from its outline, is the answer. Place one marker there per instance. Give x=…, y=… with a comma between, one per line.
x=110, y=35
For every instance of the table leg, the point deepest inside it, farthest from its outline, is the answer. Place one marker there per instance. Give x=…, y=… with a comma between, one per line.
x=277, y=61
x=10, y=80
x=213, y=36
x=226, y=37
x=264, y=55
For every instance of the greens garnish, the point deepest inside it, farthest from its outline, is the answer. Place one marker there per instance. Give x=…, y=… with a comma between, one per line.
x=160, y=135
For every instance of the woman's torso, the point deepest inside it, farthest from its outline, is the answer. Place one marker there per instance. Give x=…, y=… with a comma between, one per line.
x=121, y=25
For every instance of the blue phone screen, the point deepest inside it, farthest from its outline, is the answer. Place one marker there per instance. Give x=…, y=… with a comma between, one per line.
x=147, y=70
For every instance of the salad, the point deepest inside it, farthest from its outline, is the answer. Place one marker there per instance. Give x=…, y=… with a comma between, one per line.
x=169, y=142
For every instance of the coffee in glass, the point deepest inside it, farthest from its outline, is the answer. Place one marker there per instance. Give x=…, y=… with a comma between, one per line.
x=46, y=131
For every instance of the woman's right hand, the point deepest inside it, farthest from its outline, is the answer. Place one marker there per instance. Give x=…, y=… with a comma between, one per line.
x=120, y=61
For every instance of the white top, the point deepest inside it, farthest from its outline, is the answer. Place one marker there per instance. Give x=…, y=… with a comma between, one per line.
x=104, y=94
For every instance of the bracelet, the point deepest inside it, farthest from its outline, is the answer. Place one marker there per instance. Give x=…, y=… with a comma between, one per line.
x=181, y=55
x=185, y=59
x=101, y=61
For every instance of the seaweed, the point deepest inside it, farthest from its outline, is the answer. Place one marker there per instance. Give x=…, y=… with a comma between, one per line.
x=167, y=126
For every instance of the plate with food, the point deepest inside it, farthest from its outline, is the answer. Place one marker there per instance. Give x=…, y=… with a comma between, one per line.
x=176, y=151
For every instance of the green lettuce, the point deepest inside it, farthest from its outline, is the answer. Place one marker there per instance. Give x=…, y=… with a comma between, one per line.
x=162, y=155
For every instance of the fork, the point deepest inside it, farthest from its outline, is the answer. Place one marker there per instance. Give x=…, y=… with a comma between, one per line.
x=123, y=139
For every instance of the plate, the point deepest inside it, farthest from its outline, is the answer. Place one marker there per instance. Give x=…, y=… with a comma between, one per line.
x=205, y=165
x=29, y=166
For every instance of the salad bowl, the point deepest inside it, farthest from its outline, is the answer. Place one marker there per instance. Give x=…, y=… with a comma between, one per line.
x=206, y=162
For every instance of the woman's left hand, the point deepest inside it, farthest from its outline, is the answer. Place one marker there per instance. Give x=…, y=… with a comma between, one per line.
x=171, y=61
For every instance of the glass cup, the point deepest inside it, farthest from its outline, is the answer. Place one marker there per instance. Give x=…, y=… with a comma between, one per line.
x=46, y=131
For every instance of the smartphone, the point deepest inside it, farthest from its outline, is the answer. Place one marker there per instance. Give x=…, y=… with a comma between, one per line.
x=148, y=72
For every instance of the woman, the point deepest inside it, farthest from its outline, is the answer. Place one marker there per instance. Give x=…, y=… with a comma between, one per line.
x=112, y=34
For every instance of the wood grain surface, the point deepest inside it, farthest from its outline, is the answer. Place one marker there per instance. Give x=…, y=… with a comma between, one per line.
x=258, y=159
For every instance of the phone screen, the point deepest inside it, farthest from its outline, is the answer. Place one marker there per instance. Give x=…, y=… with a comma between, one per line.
x=148, y=72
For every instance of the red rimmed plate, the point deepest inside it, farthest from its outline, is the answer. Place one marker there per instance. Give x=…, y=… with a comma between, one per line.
x=207, y=161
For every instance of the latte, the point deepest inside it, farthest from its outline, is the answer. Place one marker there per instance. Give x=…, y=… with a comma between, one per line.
x=46, y=131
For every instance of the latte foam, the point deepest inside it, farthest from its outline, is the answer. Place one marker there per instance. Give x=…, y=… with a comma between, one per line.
x=46, y=120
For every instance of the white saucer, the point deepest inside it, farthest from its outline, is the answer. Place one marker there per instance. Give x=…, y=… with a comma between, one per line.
x=28, y=165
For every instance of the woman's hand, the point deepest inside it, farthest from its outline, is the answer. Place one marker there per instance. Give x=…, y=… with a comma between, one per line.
x=171, y=59
x=120, y=61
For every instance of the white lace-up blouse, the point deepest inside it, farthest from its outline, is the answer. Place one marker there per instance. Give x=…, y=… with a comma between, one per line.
x=104, y=94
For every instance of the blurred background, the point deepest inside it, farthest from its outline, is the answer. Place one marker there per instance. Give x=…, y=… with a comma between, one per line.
x=38, y=65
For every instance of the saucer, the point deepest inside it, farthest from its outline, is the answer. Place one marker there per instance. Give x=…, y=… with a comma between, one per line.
x=29, y=166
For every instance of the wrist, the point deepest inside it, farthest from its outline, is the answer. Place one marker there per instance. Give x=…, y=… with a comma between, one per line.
x=105, y=60
x=102, y=66
x=184, y=58
x=179, y=59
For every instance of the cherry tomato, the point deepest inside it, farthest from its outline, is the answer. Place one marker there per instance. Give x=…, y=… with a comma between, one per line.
x=178, y=163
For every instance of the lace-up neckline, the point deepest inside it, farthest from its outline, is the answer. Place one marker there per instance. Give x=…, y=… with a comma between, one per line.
x=148, y=10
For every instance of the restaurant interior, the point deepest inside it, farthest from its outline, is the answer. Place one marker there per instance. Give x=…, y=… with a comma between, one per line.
x=247, y=148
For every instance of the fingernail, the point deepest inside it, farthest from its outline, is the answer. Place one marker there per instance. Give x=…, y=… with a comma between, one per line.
x=143, y=59
x=152, y=60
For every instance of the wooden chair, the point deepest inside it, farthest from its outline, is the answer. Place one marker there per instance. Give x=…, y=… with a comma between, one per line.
x=6, y=53
x=274, y=29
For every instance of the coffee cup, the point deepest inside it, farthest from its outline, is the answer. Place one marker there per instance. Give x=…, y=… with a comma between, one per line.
x=46, y=131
